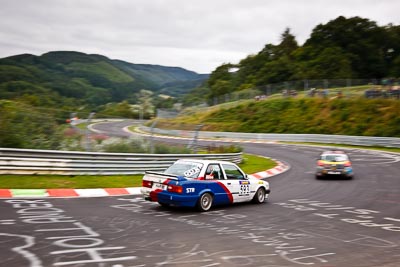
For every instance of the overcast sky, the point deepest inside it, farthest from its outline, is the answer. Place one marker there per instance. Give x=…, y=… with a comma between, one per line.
x=198, y=35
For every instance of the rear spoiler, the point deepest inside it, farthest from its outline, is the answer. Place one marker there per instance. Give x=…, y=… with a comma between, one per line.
x=166, y=175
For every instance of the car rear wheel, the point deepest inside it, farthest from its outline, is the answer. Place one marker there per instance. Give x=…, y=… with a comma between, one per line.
x=205, y=202
x=259, y=197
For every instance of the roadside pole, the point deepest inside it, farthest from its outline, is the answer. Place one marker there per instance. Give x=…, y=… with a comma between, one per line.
x=193, y=144
x=88, y=141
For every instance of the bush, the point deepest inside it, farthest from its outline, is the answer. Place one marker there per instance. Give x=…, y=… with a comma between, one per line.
x=118, y=145
x=224, y=149
x=168, y=149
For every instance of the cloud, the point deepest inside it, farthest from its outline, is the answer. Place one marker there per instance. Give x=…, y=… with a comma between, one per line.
x=193, y=34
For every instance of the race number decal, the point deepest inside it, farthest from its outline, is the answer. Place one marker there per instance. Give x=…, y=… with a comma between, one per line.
x=192, y=171
x=244, y=189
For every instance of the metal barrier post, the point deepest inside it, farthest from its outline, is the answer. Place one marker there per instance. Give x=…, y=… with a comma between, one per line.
x=88, y=141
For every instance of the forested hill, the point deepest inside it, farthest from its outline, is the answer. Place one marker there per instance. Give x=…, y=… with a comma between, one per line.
x=90, y=79
x=343, y=48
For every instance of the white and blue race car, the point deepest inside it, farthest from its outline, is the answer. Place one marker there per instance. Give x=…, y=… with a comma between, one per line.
x=202, y=184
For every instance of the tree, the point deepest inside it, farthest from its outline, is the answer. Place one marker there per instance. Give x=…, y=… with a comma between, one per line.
x=360, y=39
x=392, y=50
x=331, y=62
x=288, y=44
x=220, y=81
x=24, y=126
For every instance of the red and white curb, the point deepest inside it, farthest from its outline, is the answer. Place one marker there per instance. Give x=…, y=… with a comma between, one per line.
x=280, y=168
x=103, y=192
x=93, y=192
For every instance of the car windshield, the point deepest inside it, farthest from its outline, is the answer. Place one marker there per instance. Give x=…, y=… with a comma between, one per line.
x=334, y=158
x=185, y=168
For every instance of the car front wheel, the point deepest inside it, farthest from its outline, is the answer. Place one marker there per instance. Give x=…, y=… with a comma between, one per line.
x=259, y=197
x=205, y=202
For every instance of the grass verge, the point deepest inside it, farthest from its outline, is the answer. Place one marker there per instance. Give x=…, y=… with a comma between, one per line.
x=251, y=164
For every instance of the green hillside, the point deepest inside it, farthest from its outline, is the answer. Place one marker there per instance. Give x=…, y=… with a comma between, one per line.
x=356, y=116
x=89, y=80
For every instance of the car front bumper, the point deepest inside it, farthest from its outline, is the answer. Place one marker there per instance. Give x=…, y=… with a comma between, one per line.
x=348, y=172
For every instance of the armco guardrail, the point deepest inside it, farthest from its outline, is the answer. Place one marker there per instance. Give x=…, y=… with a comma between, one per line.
x=317, y=138
x=27, y=161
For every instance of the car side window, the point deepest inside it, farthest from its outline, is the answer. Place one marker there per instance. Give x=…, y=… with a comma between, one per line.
x=232, y=172
x=214, y=172
x=334, y=157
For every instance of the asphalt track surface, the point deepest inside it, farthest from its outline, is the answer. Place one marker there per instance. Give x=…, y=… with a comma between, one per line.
x=306, y=222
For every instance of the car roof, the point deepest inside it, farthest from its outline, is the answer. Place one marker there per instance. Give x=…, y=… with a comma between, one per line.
x=206, y=161
x=333, y=152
